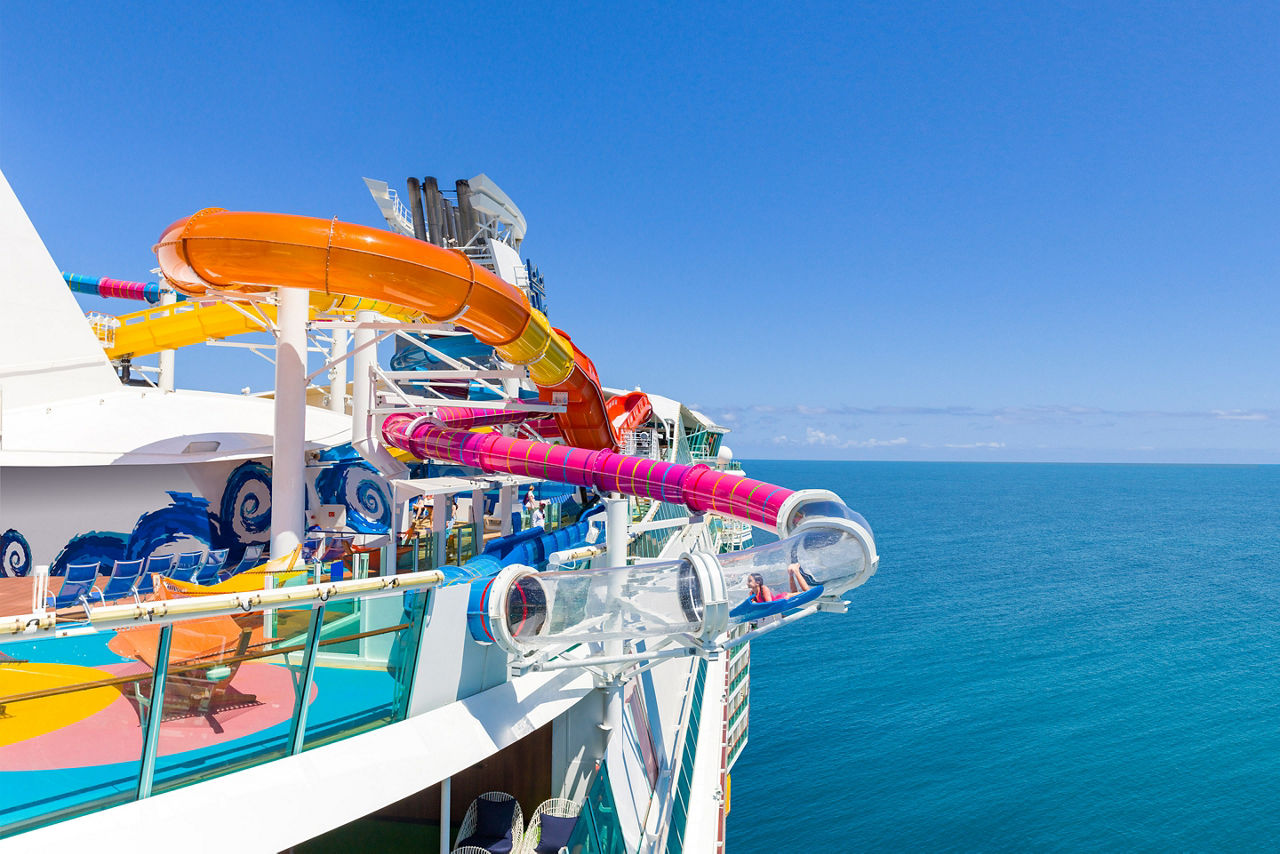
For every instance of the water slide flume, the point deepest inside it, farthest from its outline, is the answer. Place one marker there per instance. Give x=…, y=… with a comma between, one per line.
x=253, y=253
x=100, y=286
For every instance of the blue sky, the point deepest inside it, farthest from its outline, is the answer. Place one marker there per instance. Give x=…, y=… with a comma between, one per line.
x=979, y=231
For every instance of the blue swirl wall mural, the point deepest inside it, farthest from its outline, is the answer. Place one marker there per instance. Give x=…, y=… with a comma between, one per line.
x=355, y=484
x=245, y=509
x=243, y=517
x=186, y=521
x=15, y=554
x=101, y=547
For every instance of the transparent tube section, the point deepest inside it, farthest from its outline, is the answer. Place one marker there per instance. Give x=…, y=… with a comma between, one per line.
x=823, y=509
x=821, y=560
x=535, y=610
x=577, y=606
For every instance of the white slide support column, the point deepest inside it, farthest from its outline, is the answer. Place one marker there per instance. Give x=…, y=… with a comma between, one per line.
x=338, y=373
x=365, y=437
x=288, y=468
x=441, y=515
x=506, y=504
x=617, y=514
x=168, y=358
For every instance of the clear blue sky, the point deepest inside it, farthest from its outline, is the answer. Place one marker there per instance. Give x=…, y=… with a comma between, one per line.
x=1015, y=231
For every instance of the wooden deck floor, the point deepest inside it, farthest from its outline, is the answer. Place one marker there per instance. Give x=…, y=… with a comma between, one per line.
x=15, y=595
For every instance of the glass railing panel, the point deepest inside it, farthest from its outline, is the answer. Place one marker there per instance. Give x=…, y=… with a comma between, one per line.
x=229, y=695
x=598, y=830
x=70, y=728
x=352, y=693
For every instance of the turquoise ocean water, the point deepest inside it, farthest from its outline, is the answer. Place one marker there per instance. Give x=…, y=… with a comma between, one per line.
x=1051, y=658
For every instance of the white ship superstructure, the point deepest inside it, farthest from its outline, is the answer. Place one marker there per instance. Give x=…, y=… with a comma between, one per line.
x=470, y=591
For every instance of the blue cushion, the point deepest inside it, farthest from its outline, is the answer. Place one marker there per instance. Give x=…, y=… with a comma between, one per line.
x=555, y=833
x=493, y=818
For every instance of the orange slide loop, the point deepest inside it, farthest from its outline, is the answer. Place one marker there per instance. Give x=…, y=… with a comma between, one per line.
x=255, y=253
x=328, y=253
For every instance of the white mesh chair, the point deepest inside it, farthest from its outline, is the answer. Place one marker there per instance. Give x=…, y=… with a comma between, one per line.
x=486, y=824
x=471, y=849
x=564, y=813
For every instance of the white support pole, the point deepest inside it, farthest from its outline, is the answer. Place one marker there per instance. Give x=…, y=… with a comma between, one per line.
x=440, y=525
x=477, y=517
x=362, y=382
x=167, y=357
x=617, y=514
x=338, y=373
x=446, y=823
x=40, y=589
x=364, y=433
x=288, y=468
x=506, y=496
x=613, y=708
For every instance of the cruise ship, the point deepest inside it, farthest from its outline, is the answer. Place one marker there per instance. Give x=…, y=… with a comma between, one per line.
x=440, y=588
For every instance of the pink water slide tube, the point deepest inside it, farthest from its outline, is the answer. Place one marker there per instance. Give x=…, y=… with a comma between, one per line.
x=699, y=487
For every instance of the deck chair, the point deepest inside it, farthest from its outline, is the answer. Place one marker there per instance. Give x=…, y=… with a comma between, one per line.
x=550, y=827
x=162, y=564
x=492, y=822
x=214, y=562
x=250, y=558
x=310, y=548
x=337, y=552
x=76, y=584
x=188, y=563
x=121, y=584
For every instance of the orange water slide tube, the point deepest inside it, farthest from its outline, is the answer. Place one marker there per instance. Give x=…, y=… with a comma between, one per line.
x=253, y=253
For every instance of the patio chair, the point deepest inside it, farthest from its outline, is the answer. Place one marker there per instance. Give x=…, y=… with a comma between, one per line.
x=337, y=554
x=250, y=558
x=550, y=827
x=208, y=572
x=162, y=564
x=310, y=548
x=122, y=583
x=76, y=584
x=493, y=822
x=471, y=849
x=188, y=563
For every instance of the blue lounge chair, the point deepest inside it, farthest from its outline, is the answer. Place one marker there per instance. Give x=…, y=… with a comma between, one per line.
x=188, y=563
x=122, y=583
x=250, y=558
x=162, y=564
x=309, y=550
x=76, y=584
x=214, y=563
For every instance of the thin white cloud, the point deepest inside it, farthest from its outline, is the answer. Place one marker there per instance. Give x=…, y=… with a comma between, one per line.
x=1053, y=413
x=814, y=436
x=1241, y=415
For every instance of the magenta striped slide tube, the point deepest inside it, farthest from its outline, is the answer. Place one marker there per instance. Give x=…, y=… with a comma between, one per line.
x=698, y=487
